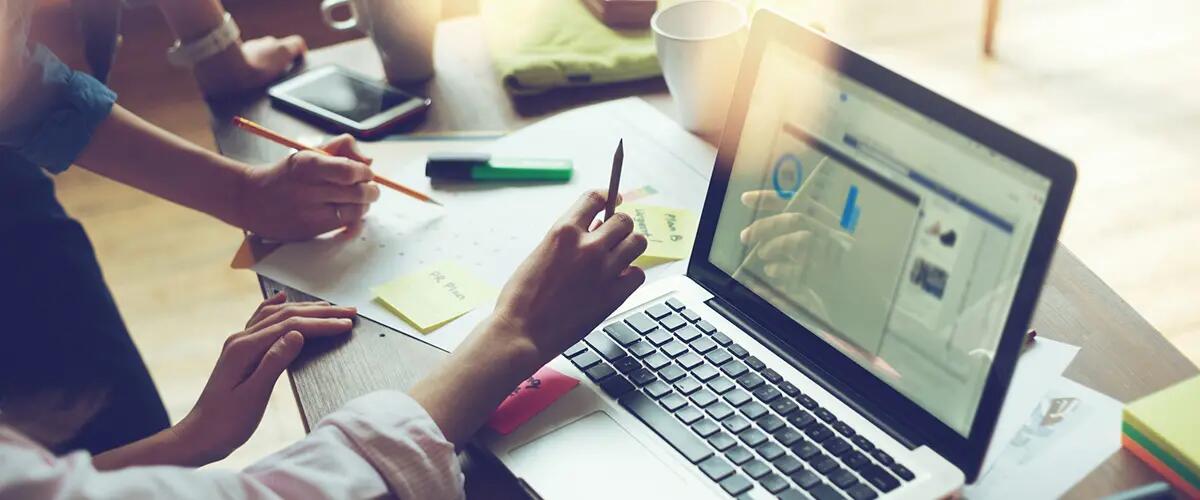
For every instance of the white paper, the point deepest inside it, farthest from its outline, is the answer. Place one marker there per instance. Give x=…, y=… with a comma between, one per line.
x=1042, y=362
x=489, y=228
x=1071, y=432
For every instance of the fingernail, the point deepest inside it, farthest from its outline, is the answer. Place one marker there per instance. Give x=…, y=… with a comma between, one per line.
x=744, y=235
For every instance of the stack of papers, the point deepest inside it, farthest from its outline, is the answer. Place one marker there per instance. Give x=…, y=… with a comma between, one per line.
x=1162, y=430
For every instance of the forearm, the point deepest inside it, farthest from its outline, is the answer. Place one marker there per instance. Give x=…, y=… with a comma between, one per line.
x=462, y=393
x=164, y=448
x=132, y=151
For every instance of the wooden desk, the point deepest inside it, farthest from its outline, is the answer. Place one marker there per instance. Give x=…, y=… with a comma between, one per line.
x=1122, y=356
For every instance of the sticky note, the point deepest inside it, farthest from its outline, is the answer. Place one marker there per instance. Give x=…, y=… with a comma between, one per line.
x=434, y=295
x=530, y=398
x=669, y=232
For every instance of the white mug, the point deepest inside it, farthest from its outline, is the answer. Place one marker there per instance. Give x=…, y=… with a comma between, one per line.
x=402, y=30
x=700, y=45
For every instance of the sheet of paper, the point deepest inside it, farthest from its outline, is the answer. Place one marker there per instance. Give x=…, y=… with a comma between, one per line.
x=669, y=232
x=489, y=228
x=530, y=398
x=434, y=295
x=1072, y=431
x=1043, y=361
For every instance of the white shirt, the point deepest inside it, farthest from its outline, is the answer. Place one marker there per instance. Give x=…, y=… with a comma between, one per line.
x=379, y=445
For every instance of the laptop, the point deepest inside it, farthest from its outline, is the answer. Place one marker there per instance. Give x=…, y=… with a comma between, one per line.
x=866, y=264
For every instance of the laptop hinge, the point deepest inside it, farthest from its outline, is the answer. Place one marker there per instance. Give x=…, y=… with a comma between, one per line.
x=805, y=365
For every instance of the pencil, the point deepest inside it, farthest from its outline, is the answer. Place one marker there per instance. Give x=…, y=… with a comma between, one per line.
x=614, y=182
x=278, y=138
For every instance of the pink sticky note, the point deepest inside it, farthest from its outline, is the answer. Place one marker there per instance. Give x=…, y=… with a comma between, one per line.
x=530, y=398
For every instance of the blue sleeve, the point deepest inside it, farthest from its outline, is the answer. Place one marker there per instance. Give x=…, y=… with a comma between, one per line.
x=57, y=113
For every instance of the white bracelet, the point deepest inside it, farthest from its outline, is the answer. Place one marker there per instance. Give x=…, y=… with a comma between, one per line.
x=215, y=42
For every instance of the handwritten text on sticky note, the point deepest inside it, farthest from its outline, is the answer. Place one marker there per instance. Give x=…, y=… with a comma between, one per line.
x=530, y=398
x=669, y=232
x=434, y=295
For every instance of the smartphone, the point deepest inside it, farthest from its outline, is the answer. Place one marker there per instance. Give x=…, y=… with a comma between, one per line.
x=348, y=101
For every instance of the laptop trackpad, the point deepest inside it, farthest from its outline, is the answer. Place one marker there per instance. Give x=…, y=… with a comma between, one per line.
x=593, y=457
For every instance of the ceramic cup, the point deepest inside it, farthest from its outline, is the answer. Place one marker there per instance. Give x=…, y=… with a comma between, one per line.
x=700, y=45
x=402, y=30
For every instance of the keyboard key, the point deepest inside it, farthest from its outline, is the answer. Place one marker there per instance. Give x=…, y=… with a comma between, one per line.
x=739, y=455
x=585, y=360
x=641, y=323
x=769, y=450
x=767, y=394
x=843, y=478
x=659, y=337
x=825, y=492
x=882, y=457
x=658, y=311
x=657, y=389
x=705, y=427
x=772, y=376
x=689, y=333
x=806, y=401
x=824, y=414
x=737, y=397
x=687, y=385
x=818, y=432
x=791, y=494
x=753, y=410
x=902, y=471
x=738, y=351
x=774, y=483
x=856, y=460
x=789, y=388
x=689, y=415
x=844, y=429
x=627, y=365
x=787, y=436
x=575, y=350
x=676, y=434
x=718, y=357
x=784, y=407
x=879, y=478
x=671, y=373
x=736, y=484
x=599, y=372
x=863, y=443
x=706, y=327
x=836, y=446
x=752, y=437
x=617, y=386
x=756, y=468
x=641, y=349
x=734, y=369
x=703, y=345
x=769, y=423
x=806, y=450
x=750, y=381
x=674, y=348
x=721, y=339
x=642, y=377
x=656, y=361
x=825, y=464
x=690, y=315
x=675, y=304
x=787, y=464
x=716, y=468
x=704, y=372
x=672, y=322
x=755, y=363
x=721, y=385
x=805, y=478
x=672, y=402
x=861, y=491
x=735, y=423
x=719, y=410
x=721, y=441
x=801, y=419
x=622, y=333
x=703, y=398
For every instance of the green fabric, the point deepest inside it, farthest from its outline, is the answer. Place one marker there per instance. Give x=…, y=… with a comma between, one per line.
x=538, y=45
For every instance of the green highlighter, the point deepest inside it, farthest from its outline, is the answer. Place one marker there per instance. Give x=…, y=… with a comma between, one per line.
x=483, y=167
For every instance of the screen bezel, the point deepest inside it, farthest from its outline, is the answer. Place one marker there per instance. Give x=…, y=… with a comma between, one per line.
x=879, y=400
x=285, y=92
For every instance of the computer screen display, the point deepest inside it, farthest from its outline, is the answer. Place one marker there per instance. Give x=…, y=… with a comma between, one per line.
x=882, y=231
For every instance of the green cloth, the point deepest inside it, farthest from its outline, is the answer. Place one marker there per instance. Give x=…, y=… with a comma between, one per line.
x=538, y=45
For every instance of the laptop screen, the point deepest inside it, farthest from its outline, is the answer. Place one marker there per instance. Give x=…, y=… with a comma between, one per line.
x=885, y=233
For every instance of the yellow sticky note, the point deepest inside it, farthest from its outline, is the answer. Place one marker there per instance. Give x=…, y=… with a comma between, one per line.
x=669, y=232
x=434, y=295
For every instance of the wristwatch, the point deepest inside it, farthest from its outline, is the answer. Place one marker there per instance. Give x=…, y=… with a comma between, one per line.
x=186, y=55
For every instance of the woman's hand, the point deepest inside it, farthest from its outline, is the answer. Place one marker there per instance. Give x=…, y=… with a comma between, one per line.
x=307, y=194
x=249, y=65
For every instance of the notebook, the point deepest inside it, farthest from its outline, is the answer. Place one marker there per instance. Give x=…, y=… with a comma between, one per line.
x=1163, y=424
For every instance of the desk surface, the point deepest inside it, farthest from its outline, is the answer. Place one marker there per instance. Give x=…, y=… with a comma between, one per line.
x=1122, y=355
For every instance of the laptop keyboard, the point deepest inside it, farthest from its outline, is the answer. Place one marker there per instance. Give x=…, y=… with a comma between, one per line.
x=726, y=412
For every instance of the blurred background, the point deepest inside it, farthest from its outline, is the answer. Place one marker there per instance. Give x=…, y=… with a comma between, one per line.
x=1112, y=84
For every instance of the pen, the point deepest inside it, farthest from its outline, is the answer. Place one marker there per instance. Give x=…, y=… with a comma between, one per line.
x=614, y=182
x=277, y=138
